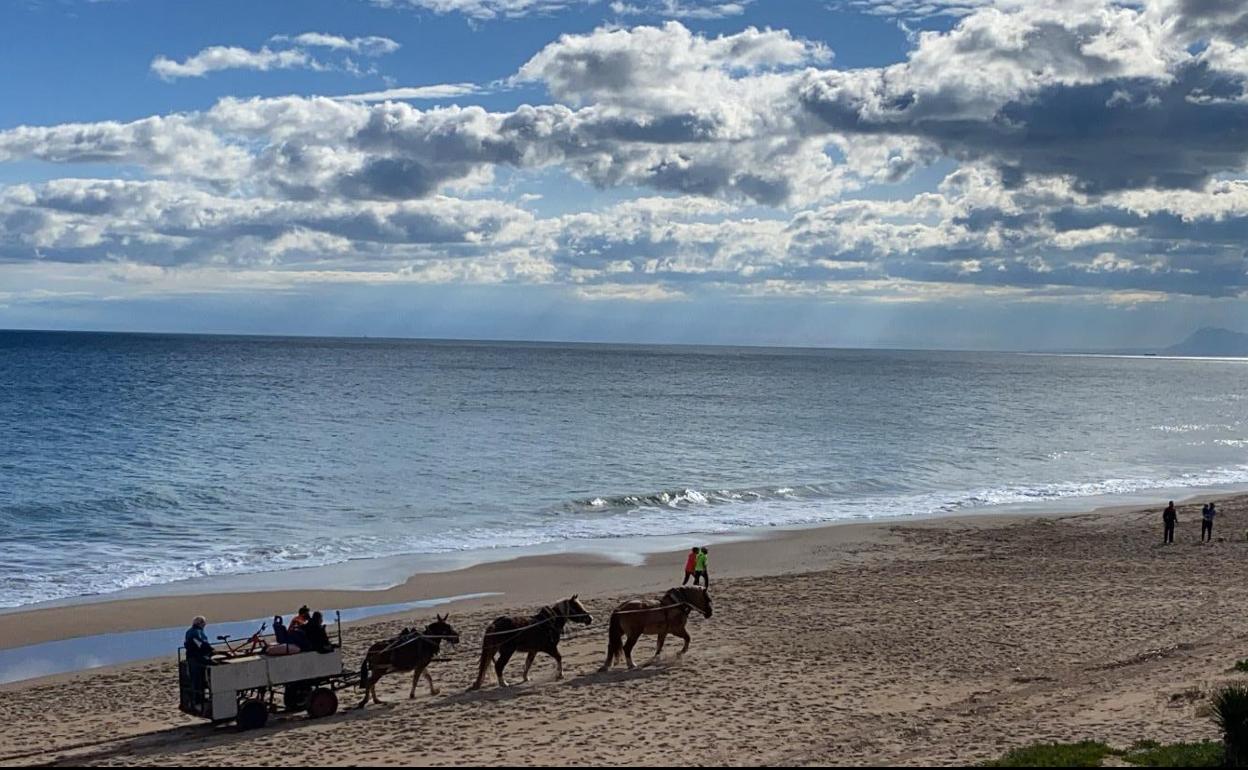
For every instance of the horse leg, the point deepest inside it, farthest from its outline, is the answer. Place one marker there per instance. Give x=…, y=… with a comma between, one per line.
x=372, y=689
x=683, y=634
x=369, y=684
x=558, y=663
x=503, y=656
x=487, y=657
x=432, y=690
x=628, y=648
x=528, y=664
x=658, y=650
x=416, y=672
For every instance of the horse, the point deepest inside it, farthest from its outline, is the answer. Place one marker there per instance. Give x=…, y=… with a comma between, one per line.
x=540, y=633
x=666, y=616
x=409, y=651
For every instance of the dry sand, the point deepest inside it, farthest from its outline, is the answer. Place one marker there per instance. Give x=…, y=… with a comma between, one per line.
x=941, y=642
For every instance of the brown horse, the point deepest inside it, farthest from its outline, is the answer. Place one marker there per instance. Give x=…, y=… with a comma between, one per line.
x=666, y=616
x=540, y=633
x=409, y=651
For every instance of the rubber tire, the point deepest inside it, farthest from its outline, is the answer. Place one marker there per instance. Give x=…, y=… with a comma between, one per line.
x=323, y=702
x=252, y=714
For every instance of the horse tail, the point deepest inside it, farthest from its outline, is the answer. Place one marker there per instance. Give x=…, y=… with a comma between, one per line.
x=615, y=638
x=364, y=672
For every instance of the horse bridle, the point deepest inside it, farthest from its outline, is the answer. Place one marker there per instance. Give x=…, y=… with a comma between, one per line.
x=563, y=611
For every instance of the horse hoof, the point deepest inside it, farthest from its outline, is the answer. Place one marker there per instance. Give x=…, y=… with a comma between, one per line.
x=434, y=692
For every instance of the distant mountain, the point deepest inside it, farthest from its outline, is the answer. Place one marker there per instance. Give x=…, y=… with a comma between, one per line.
x=1211, y=342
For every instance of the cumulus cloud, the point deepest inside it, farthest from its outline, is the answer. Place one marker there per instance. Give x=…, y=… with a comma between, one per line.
x=1091, y=146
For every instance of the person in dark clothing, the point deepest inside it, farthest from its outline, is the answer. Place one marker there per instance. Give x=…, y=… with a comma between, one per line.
x=198, y=655
x=317, y=636
x=700, y=569
x=1168, y=518
x=1206, y=523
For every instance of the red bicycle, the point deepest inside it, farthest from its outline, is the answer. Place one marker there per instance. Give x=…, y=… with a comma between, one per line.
x=253, y=645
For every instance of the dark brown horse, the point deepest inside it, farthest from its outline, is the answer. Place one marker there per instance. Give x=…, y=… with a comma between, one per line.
x=667, y=615
x=540, y=633
x=409, y=651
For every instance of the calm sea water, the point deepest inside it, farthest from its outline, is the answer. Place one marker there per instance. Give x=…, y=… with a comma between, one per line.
x=131, y=460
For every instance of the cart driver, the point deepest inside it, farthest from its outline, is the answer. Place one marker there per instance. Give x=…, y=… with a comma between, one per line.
x=198, y=654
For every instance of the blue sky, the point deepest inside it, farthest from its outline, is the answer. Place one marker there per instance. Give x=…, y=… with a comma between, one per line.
x=947, y=173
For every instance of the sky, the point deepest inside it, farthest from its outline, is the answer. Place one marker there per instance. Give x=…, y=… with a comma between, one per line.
x=912, y=173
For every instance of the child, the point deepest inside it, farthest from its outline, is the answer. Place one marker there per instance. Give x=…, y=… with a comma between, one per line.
x=699, y=569
x=691, y=565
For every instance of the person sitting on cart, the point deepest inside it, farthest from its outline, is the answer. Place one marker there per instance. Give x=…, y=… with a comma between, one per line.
x=318, y=638
x=296, y=631
x=198, y=654
x=300, y=620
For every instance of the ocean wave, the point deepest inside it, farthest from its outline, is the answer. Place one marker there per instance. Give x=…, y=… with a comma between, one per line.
x=667, y=512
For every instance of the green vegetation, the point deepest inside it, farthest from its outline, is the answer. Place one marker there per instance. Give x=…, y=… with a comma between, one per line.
x=1228, y=707
x=1085, y=754
x=1092, y=754
x=1230, y=711
x=1153, y=754
x=1241, y=665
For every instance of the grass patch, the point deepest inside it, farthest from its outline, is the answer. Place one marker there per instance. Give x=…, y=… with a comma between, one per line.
x=1092, y=754
x=1241, y=665
x=1153, y=754
x=1084, y=754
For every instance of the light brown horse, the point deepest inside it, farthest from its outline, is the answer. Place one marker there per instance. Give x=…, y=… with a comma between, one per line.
x=540, y=633
x=666, y=616
x=411, y=651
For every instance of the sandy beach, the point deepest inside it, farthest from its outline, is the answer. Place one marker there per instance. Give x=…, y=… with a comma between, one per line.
x=937, y=642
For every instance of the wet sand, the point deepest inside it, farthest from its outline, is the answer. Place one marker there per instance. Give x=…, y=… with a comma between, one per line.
x=938, y=642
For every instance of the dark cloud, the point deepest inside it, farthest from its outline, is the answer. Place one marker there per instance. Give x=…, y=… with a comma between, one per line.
x=1112, y=135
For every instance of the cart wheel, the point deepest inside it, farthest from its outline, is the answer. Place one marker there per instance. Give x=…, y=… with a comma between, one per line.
x=252, y=714
x=322, y=702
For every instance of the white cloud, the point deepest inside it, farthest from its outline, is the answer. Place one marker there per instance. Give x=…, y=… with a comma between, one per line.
x=219, y=57
x=371, y=45
x=438, y=91
x=293, y=55
x=485, y=9
x=1093, y=147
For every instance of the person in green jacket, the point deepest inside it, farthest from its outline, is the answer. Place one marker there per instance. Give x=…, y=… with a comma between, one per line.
x=699, y=569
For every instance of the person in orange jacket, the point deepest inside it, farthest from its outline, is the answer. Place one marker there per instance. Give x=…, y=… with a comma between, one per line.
x=691, y=564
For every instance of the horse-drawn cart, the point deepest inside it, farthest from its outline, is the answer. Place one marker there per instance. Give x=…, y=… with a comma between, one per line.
x=244, y=688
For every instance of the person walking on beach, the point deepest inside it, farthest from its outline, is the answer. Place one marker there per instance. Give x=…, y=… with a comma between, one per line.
x=1206, y=523
x=699, y=569
x=1168, y=518
x=691, y=565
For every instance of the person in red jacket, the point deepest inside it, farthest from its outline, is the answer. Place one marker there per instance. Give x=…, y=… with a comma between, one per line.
x=691, y=564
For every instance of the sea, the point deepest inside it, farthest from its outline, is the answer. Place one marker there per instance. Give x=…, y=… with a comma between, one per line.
x=137, y=460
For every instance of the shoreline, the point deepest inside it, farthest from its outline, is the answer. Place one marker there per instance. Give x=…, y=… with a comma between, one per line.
x=938, y=642
x=528, y=580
